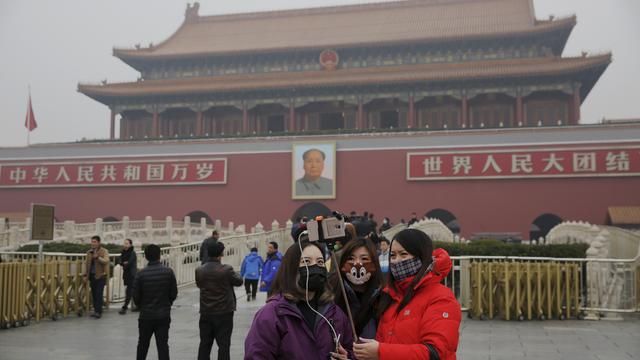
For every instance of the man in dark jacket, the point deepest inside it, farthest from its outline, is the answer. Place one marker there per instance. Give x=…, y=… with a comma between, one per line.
x=154, y=290
x=204, y=256
x=129, y=263
x=217, y=303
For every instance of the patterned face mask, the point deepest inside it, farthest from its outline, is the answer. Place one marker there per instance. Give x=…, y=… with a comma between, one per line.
x=358, y=273
x=405, y=268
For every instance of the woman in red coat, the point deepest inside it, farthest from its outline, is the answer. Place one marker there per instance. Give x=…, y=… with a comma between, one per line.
x=421, y=317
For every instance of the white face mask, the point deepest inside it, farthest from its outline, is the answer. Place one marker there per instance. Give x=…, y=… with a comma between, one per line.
x=358, y=274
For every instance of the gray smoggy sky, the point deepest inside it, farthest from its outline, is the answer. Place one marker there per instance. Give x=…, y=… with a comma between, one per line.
x=53, y=45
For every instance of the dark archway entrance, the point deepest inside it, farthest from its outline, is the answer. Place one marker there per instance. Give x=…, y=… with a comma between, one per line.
x=311, y=210
x=110, y=219
x=447, y=218
x=197, y=215
x=541, y=226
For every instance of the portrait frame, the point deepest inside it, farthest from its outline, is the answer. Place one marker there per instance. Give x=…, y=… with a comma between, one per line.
x=301, y=189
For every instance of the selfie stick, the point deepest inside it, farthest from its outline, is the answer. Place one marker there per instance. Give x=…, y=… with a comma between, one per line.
x=344, y=294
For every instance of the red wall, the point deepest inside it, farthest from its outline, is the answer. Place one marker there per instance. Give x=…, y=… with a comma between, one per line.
x=259, y=189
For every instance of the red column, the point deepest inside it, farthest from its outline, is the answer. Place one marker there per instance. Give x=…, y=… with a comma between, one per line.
x=245, y=118
x=199, y=123
x=360, y=120
x=410, y=115
x=258, y=124
x=122, y=128
x=465, y=112
x=154, y=125
x=576, y=105
x=519, y=112
x=112, y=134
x=306, y=121
x=292, y=116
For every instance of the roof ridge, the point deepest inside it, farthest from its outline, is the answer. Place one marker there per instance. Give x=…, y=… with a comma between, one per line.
x=325, y=9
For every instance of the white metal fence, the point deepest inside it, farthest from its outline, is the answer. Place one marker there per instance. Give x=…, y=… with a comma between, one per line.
x=183, y=259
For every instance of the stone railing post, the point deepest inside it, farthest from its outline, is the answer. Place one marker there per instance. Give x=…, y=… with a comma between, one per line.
x=148, y=225
x=169, y=229
x=69, y=230
x=275, y=225
x=3, y=225
x=593, y=294
x=125, y=226
x=99, y=230
x=203, y=226
x=231, y=227
x=13, y=238
x=258, y=229
x=465, y=283
x=28, y=227
x=287, y=239
x=187, y=229
x=218, y=225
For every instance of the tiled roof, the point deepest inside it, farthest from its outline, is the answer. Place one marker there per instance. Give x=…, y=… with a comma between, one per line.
x=342, y=26
x=624, y=215
x=354, y=76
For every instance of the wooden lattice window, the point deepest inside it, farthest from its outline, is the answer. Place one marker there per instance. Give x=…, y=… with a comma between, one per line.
x=546, y=112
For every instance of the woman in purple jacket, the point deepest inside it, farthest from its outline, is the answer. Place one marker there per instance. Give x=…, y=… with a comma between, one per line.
x=287, y=327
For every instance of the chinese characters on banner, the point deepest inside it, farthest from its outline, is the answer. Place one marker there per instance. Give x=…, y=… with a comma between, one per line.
x=149, y=172
x=524, y=163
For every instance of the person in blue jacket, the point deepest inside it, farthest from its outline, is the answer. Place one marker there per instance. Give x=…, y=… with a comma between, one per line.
x=271, y=266
x=250, y=271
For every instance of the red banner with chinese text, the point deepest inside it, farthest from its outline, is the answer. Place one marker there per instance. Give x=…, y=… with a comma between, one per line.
x=91, y=173
x=524, y=163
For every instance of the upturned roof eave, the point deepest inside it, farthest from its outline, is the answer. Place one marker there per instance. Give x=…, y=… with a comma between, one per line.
x=106, y=93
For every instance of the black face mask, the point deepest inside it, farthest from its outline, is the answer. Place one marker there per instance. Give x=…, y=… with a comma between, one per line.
x=317, y=277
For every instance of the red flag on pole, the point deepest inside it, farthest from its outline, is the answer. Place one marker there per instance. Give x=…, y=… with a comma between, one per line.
x=30, y=120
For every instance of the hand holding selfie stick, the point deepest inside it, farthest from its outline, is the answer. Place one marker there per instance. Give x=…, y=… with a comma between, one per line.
x=328, y=231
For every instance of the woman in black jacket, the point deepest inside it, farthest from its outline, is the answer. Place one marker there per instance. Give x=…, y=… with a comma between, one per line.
x=129, y=263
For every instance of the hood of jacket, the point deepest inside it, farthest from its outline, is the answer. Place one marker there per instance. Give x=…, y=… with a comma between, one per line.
x=253, y=256
x=441, y=268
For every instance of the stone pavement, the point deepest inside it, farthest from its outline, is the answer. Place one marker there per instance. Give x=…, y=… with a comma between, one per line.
x=115, y=336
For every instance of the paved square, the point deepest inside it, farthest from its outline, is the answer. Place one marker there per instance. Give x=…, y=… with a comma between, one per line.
x=115, y=336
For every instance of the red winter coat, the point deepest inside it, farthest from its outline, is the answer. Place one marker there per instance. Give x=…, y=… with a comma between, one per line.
x=431, y=317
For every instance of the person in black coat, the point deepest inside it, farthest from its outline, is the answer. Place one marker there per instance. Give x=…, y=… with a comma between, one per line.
x=204, y=255
x=154, y=291
x=129, y=263
x=217, y=303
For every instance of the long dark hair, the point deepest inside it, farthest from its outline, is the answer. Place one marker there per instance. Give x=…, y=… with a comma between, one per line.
x=418, y=244
x=369, y=302
x=286, y=281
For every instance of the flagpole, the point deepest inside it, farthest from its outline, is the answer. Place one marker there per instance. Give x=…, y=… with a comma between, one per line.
x=29, y=107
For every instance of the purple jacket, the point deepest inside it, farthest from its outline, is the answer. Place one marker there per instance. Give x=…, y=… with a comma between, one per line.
x=280, y=332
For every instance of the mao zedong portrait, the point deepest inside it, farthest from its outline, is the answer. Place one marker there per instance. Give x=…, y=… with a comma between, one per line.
x=313, y=183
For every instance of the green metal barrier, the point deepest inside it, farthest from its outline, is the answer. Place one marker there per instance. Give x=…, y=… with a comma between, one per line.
x=54, y=288
x=525, y=289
